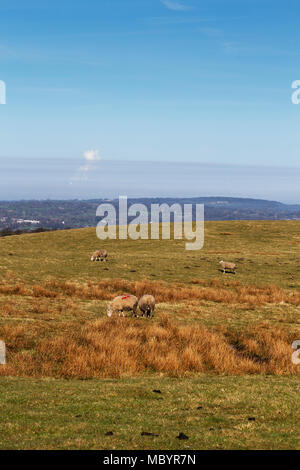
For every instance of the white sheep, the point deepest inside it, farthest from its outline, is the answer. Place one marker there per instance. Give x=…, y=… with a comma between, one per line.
x=226, y=265
x=147, y=305
x=123, y=303
x=99, y=255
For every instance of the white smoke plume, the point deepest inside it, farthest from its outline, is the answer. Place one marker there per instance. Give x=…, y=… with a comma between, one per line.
x=89, y=156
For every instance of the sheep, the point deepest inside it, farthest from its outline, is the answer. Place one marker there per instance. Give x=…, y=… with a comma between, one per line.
x=99, y=255
x=123, y=303
x=147, y=305
x=226, y=265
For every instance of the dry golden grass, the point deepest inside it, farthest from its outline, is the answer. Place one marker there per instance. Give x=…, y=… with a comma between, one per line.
x=48, y=332
x=10, y=289
x=119, y=347
x=228, y=292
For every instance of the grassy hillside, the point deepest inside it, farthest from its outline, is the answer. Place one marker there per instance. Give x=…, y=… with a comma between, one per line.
x=266, y=252
x=219, y=339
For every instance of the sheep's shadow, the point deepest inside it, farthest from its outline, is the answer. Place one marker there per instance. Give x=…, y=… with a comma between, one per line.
x=227, y=272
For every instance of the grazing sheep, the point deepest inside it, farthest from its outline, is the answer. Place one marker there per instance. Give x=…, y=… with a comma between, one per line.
x=147, y=305
x=121, y=304
x=99, y=255
x=226, y=265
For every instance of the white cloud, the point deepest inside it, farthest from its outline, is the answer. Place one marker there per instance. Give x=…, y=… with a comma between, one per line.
x=174, y=5
x=91, y=155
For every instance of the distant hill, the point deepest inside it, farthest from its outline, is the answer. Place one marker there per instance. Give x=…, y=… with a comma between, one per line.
x=60, y=214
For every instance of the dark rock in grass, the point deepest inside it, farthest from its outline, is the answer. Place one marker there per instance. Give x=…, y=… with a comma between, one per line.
x=132, y=271
x=78, y=416
x=144, y=433
x=251, y=418
x=199, y=407
x=182, y=436
x=109, y=433
x=156, y=391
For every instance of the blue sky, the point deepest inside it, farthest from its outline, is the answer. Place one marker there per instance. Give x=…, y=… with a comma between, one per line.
x=187, y=80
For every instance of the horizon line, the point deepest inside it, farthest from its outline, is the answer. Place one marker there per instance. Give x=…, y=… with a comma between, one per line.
x=185, y=162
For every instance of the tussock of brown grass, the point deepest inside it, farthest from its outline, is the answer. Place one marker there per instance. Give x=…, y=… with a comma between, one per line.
x=16, y=289
x=229, y=292
x=118, y=347
x=40, y=291
x=17, y=338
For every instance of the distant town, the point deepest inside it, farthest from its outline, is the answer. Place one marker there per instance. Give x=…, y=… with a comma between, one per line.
x=20, y=216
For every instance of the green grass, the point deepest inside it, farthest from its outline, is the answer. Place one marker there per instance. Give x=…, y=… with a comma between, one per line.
x=59, y=414
x=265, y=252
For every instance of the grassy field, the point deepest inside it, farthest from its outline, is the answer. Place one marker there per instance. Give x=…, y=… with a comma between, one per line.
x=222, y=342
x=266, y=252
x=259, y=412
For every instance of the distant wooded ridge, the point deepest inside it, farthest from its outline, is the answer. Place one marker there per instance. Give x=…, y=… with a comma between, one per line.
x=34, y=215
